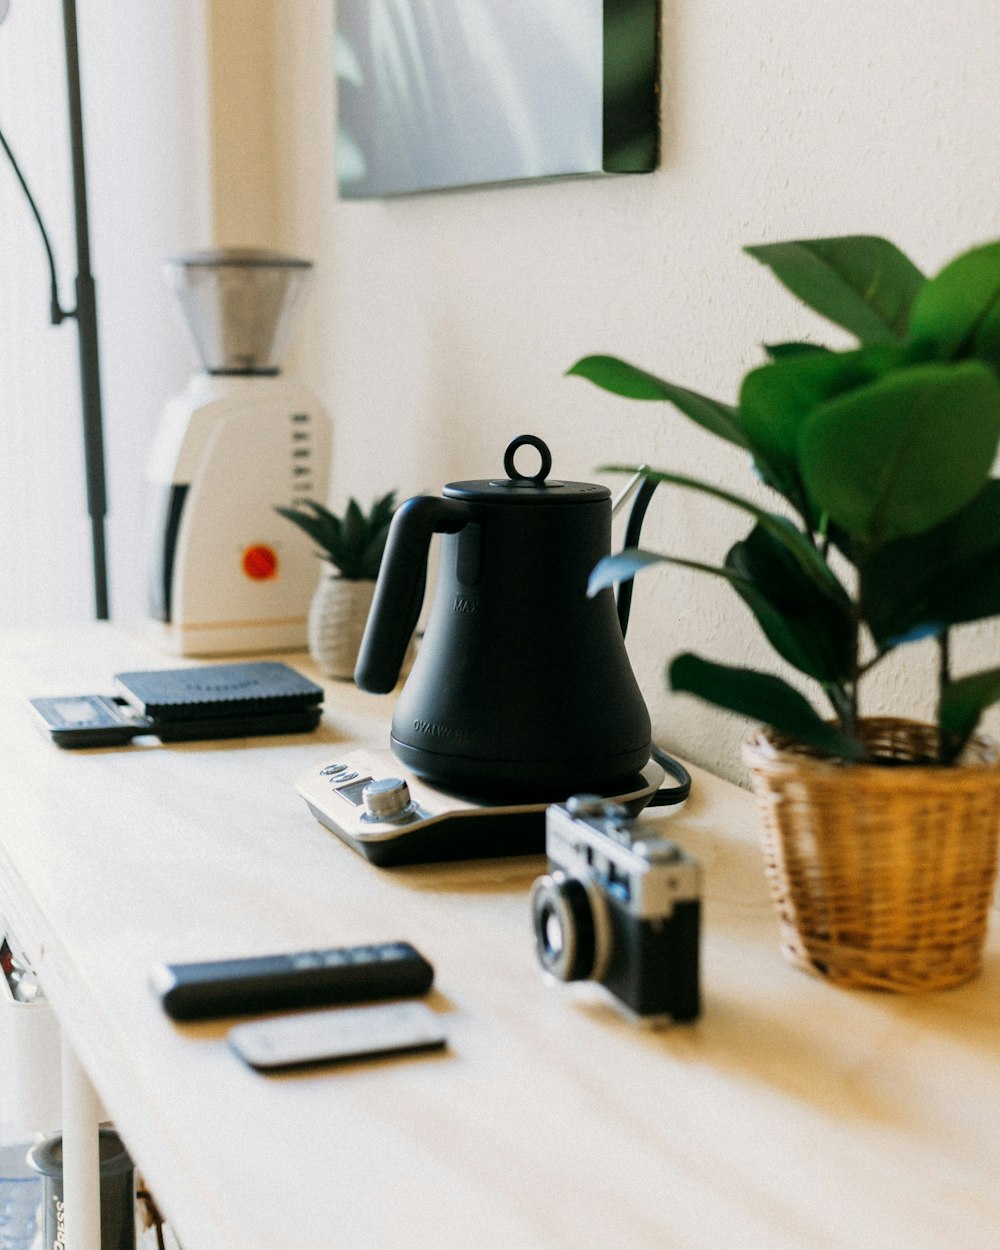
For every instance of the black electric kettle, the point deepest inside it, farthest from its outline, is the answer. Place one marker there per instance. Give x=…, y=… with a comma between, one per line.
x=521, y=689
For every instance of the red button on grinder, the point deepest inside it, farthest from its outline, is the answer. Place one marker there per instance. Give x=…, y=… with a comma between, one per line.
x=260, y=562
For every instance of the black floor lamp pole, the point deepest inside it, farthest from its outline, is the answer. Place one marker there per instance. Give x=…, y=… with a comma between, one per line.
x=85, y=314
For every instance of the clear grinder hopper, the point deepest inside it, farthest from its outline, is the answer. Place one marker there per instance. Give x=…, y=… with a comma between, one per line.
x=239, y=304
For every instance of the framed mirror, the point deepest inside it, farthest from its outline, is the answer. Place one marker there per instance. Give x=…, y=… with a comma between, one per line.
x=433, y=94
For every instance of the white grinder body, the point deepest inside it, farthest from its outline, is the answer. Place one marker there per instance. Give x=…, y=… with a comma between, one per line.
x=228, y=574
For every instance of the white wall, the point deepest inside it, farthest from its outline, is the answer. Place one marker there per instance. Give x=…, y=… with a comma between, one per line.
x=144, y=91
x=442, y=325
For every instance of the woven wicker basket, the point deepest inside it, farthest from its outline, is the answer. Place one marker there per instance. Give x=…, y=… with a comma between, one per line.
x=882, y=876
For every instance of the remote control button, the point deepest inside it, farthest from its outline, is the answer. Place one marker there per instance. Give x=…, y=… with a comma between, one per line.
x=388, y=797
x=306, y=959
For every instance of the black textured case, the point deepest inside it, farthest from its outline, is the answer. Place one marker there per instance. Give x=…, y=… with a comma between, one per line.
x=218, y=692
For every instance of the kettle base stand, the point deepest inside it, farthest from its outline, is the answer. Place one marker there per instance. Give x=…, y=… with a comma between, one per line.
x=434, y=827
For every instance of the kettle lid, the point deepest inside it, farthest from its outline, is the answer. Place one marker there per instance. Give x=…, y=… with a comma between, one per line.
x=534, y=488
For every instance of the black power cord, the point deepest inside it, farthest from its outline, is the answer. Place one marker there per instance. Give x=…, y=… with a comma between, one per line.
x=669, y=796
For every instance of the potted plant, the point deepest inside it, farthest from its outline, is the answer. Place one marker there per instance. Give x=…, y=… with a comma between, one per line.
x=352, y=545
x=880, y=833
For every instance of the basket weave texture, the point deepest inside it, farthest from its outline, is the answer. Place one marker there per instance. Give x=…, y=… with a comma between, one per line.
x=882, y=876
x=338, y=614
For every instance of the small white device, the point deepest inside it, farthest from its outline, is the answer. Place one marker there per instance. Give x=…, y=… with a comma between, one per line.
x=227, y=573
x=337, y=1035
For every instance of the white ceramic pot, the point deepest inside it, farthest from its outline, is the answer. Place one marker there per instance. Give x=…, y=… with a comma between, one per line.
x=337, y=617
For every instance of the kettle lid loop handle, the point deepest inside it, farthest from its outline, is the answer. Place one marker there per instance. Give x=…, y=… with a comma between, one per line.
x=527, y=440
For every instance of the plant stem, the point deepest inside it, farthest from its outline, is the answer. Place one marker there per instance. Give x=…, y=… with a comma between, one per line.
x=944, y=660
x=839, y=701
x=867, y=667
x=946, y=752
x=824, y=536
x=851, y=712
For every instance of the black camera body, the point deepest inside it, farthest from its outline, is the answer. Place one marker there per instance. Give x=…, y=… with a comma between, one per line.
x=620, y=905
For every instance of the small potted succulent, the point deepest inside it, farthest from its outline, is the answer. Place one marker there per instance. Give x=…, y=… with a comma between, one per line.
x=352, y=545
x=880, y=833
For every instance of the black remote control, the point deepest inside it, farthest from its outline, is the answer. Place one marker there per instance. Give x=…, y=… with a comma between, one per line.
x=345, y=974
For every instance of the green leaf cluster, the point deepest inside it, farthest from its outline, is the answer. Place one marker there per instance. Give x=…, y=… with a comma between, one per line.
x=884, y=453
x=353, y=543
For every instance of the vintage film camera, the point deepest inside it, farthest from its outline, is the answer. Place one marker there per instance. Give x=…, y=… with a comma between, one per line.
x=620, y=905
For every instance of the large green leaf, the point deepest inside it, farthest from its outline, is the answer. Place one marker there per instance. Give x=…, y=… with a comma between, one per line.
x=798, y=544
x=624, y=379
x=957, y=313
x=809, y=627
x=900, y=455
x=970, y=592
x=963, y=703
x=764, y=698
x=622, y=566
x=947, y=576
x=861, y=282
x=625, y=564
x=784, y=351
x=776, y=398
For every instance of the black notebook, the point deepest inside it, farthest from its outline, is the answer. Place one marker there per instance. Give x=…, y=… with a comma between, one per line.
x=218, y=691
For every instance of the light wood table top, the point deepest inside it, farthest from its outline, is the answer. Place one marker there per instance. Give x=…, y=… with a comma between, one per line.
x=791, y=1115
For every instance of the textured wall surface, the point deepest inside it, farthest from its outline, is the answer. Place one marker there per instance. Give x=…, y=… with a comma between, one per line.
x=442, y=325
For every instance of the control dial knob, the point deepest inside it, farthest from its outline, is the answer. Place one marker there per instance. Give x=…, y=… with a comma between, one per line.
x=386, y=798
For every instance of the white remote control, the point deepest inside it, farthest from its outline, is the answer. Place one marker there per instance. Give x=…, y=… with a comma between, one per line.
x=336, y=1035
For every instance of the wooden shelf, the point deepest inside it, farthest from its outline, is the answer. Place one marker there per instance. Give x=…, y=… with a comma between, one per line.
x=791, y=1115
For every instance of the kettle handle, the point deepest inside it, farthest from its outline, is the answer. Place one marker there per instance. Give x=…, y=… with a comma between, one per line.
x=399, y=592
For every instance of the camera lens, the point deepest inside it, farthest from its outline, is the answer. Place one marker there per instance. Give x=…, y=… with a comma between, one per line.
x=564, y=927
x=551, y=933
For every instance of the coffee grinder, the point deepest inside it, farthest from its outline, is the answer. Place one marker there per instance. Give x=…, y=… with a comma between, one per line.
x=227, y=573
